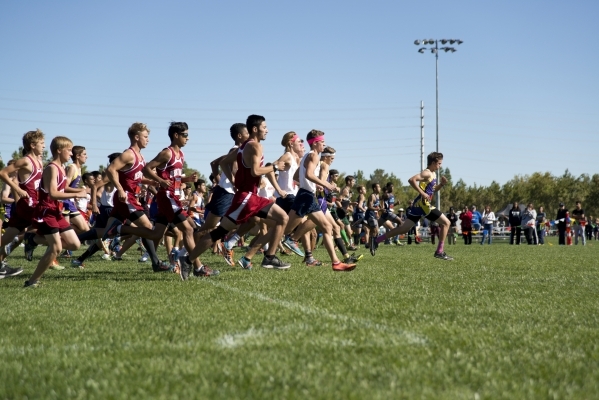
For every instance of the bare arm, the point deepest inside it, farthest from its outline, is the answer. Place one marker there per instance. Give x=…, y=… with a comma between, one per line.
x=49, y=178
x=122, y=161
x=20, y=164
x=413, y=181
x=310, y=163
x=6, y=199
x=252, y=155
x=227, y=165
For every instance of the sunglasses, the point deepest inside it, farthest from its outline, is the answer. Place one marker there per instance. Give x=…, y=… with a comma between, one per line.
x=184, y=134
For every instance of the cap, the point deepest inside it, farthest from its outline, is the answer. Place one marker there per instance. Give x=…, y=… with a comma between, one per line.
x=401, y=209
x=561, y=204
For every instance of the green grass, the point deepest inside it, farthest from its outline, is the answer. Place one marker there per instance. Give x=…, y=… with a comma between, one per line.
x=498, y=322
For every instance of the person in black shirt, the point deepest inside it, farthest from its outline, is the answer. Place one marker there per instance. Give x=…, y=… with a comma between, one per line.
x=515, y=221
x=561, y=223
x=578, y=222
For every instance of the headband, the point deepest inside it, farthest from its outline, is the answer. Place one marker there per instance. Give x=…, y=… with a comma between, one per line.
x=327, y=154
x=316, y=139
x=293, y=138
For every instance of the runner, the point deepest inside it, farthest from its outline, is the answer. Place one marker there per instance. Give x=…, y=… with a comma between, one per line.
x=48, y=216
x=169, y=168
x=126, y=173
x=425, y=183
x=246, y=203
x=29, y=174
x=305, y=203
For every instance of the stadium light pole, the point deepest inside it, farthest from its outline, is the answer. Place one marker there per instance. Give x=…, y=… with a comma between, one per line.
x=434, y=48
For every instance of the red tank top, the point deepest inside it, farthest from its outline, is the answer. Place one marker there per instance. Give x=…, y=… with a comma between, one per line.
x=244, y=181
x=130, y=179
x=172, y=172
x=45, y=201
x=32, y=184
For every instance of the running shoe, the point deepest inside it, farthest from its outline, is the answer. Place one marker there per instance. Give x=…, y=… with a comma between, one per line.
x=173, y=256
x=373, y=245
x=114, y=243
x=274, y=263
x=443, y=256
x=228, y=255
x=292, y=245
x=352, y=248
x=185, y=268
x=140, y=245
x=8, y=248
x=312, y=262
x=56, y=266
x=343, y=267
x=205, y=272
x=245, y=263
x=77, y=264
x=144, y=257
x=105, y=256
x=116, y=257
x=353, y=258
x=32, y=285
x=162, y=267
x=66, y=254
x=6, y=271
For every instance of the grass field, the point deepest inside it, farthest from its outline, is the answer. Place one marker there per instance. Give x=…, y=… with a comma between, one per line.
x=499, y=322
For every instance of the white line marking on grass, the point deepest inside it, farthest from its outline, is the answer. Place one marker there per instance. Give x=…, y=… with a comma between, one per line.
x=410, y=337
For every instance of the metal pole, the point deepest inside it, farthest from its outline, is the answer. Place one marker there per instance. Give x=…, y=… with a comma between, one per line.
x=422, y=166
x=437, y=109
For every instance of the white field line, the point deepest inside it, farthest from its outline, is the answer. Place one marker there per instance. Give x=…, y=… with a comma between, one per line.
x=409, y=337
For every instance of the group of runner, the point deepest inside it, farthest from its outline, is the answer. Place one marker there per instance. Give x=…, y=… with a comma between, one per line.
x=248, y=198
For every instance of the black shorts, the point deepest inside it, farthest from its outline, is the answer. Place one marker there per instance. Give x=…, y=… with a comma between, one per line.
x=286, y=202
x=102, y=218
x=220, y=201
x=431, y=216
x=305, y=203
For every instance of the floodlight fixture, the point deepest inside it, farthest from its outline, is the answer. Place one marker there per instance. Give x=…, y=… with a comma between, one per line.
x=417, y=42
x=421, y=50
x=443, y=41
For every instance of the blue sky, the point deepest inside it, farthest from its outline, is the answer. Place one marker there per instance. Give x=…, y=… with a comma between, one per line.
x=519, y=96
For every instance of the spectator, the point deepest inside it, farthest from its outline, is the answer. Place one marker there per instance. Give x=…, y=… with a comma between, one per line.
x=476, y=219
x=578, y=222
x=466, y=218
x=487, y=219
x=561, y=223
x=529, y=217
x=453, y=218
x=541, y=219
x=515, y=221
x=588, y=229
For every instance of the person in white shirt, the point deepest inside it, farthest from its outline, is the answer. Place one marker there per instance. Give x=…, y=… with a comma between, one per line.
x=487, y=220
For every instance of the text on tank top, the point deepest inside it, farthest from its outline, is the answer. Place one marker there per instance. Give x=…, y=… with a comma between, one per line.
x=172, y=171
x=130, y=179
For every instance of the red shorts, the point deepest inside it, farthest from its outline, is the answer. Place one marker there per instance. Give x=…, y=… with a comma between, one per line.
x=245, y=205
x=169, y=209
x=123, y=211
x=49, y=222
x=21, y=215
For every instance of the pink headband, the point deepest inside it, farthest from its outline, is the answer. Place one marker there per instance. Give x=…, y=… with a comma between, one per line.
x=293, y=138
x=316, y=139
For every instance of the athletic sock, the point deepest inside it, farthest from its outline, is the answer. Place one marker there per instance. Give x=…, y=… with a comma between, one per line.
x=151, y=249
x=440, y=247
x=91, y=250
x=341, y=246
x=88, y=235
x=344, y=236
